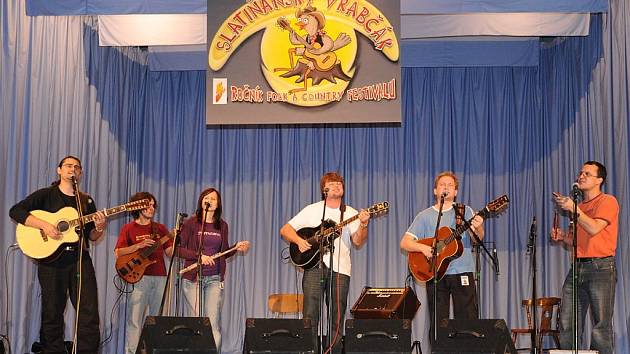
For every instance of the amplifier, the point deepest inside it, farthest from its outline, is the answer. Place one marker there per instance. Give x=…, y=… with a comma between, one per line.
x=278, y=336
x=378, y=336
x=165, y=334
x=473, y=336
x=386, y=303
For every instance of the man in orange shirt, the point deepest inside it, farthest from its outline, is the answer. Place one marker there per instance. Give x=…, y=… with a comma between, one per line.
x=597, y=224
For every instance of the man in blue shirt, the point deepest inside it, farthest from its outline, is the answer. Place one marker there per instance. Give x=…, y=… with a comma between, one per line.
x=458, y=281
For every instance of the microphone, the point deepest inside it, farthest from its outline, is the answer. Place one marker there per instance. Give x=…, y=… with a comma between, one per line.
x=577, y=192
x=206, y=206
x=444, y=194
x=75, y=185
x=326, y=192
x=496, y=259
x=532, y=236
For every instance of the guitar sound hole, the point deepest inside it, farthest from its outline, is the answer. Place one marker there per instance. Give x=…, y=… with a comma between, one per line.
x=63, y=226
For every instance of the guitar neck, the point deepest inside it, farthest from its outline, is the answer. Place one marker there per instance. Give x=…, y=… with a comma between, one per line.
x=465, y=226
x=147, y=251
x=90, y=217
x=217, y=255
x=341, y=225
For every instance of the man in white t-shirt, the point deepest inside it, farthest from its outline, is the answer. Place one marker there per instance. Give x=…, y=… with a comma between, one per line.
x=355, y=233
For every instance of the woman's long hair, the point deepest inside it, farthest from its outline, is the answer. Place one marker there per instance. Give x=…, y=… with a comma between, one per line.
x=216, y=220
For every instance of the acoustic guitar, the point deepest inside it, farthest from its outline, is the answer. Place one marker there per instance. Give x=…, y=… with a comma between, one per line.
x=316, y=237
x=36, y=244
x=449, y=244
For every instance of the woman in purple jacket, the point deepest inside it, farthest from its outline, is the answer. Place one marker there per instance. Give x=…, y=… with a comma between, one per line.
x=213, y=241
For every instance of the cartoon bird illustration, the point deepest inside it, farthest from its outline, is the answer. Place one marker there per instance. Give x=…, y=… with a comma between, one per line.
x=316, y=51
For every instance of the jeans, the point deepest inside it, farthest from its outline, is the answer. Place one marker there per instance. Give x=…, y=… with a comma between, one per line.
x=314, y=289
x=596, y=290
x=212, y=289
x=147, y=292
x=58, y=281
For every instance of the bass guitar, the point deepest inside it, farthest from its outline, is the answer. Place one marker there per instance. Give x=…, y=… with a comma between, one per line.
x=131, y=267
x=449, y=244
x=36, y=244
x=331, y=230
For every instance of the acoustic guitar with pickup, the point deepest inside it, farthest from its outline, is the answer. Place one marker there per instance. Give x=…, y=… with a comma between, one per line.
x=315, y=237
x=36, y=244
x=449, y=244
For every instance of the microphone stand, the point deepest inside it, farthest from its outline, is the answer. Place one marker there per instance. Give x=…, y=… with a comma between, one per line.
x=434, y=269
x=477, y=240
x=495, y=261
x=199, y=264
x=178, y=225
x=531, y=250
x=575, y=194
x=322, y=267
x=81, y=226
x=476, y=250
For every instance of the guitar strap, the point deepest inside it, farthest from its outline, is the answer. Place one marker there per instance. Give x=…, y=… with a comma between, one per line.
x=342, y=208
x=461, y=211
x=152, y=230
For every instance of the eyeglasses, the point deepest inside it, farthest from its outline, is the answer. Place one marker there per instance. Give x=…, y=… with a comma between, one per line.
x=72, y=166
x=586, y=174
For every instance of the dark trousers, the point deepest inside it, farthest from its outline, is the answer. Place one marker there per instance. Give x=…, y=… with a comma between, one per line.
x=315, y=289
x=465, y=303
x=58, y=280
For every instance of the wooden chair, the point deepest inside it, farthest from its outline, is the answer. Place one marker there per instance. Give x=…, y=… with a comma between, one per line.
x=548, y=306
x=283, y=304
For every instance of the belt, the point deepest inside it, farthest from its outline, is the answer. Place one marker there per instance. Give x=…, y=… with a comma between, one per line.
x=592, y=259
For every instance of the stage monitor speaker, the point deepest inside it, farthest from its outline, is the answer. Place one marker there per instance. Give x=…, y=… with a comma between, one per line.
x=490, y=336
x=378, y=336
x=278, y=336
x=163, y=334
x=399, y=303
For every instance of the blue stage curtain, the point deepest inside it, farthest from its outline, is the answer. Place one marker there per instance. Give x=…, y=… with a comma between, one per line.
x=523, y=131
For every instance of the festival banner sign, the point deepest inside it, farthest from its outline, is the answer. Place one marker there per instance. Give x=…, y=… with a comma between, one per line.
x=303, y=61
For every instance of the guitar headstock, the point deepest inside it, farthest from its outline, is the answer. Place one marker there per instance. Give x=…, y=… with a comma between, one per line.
x=179, y=221
x=496, y=207
x=379, y=208
x=283, y=23
x=137, y=205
